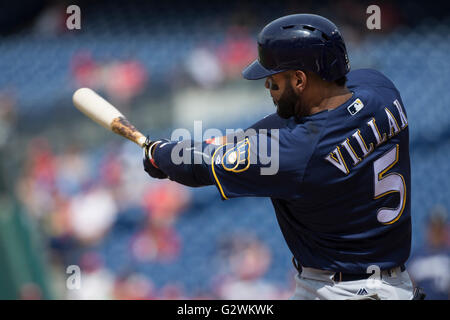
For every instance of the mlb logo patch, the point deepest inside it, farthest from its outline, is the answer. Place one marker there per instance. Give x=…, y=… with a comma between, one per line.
x=355, y=107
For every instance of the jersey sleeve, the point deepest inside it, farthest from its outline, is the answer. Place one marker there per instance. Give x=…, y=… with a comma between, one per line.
x=185, y=162
x=262, y=165
x=269, y=163
x=271, y=121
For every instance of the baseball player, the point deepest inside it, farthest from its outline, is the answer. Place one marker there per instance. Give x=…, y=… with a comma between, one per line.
x=342, y=188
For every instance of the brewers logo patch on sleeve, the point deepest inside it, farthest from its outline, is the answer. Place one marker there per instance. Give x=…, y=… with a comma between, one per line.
x=237, y=159
x=228, y=159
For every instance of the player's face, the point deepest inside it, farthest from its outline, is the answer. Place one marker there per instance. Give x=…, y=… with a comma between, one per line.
x=283, y=94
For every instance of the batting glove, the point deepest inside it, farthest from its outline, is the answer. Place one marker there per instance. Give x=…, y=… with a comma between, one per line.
x=149, y=163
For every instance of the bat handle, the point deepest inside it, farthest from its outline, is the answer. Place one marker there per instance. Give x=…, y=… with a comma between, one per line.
x=141, y=140
x=123, y=127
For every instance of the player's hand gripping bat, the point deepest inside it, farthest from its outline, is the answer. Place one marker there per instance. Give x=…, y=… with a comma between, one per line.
x=105, y=114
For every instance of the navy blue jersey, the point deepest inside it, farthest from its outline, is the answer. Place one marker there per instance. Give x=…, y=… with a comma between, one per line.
x=339, y=180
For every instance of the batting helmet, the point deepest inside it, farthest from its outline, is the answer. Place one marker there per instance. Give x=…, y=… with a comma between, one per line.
x=300, y=42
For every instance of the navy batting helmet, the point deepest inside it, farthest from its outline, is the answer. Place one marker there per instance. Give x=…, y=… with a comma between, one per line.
x=306, y=42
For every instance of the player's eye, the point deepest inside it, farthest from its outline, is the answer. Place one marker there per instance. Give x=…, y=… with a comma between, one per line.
x=270, y=85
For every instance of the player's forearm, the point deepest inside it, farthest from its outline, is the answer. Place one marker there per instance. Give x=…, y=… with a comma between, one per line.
x=184, y=162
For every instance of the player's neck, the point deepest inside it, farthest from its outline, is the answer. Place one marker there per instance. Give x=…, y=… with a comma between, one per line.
x=329, y=99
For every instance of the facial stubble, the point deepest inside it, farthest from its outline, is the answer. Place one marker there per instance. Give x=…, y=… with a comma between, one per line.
x=289, y=103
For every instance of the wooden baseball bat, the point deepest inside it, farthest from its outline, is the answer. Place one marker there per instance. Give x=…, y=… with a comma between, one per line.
x=101, y=111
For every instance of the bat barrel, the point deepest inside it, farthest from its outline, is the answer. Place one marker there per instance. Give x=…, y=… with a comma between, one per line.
x=104, y=113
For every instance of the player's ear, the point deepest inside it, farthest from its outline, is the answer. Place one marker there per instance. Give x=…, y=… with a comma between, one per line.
x=300, y=79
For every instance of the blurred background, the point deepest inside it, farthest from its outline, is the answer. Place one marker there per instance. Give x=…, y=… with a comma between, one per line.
x=74, y=194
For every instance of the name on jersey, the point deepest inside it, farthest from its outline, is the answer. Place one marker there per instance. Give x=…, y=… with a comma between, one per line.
x=355, y=145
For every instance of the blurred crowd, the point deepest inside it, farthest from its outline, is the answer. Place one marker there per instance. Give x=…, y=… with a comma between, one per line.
x=223, y=62
x=120, y=80
x=80, y=198
x=429, y=265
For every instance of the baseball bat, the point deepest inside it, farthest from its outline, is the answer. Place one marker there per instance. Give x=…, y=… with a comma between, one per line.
x=101, y=111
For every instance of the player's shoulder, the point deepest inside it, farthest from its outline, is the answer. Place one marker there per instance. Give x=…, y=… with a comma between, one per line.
x=373, y=88
x=368, y=78
x=270, y=121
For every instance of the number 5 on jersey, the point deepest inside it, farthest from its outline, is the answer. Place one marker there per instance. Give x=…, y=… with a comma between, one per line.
x=386, y=184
